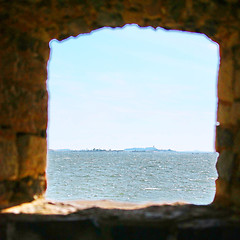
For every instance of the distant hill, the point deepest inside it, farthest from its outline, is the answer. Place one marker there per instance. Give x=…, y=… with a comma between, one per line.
x=147, y=149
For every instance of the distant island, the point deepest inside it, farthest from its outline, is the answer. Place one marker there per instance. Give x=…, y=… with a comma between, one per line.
x=146, y=149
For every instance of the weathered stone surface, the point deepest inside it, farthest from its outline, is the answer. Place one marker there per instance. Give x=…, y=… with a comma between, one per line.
x=237, y=84
x=8, y=156
x=236, y=52
x=25, y=107
x=224, y=138
x=32, y=155
x=236, y=147
x=27, y=27
x=166, y=222
x=235, y=193
x=6, y=192
x=224, y=113
x=235, y=113
x=222, y=196
x=28, y=189
x=225, y=165
x=231, y=38
x=225, y=76
x=22, y=190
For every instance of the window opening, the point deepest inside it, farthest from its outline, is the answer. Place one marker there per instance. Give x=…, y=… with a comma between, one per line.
x=116, y=89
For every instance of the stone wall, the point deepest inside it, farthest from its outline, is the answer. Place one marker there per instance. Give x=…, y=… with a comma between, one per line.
x=27, y=27
x=167, y=222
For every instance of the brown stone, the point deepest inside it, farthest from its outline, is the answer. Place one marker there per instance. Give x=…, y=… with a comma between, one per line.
x=29, y=188
x=225, y=165
x=235, y=194
x=79, y=25
x=235, y=113
x=110, y=18
x=8, y=157
x=230, y=38
x=237, y=84
x=6, y=192
x=32, y=155
x=41, y=220
x=237, y=170
x=28, y=26
x=25, y=107
x=236, y=146
x=225, y=76
x=152, y=9
x=224, y=114
x=133, y=17
x=222, y=195
x=224, y=138
x=237, y=54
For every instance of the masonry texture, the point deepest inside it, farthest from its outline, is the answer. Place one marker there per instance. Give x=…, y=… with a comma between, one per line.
x=26, y=29
x=99, y=221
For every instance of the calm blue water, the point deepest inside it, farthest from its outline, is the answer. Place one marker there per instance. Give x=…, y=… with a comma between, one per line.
x=132, y=176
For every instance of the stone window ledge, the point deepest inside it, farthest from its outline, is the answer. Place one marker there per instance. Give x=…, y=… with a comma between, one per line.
x=44, y=219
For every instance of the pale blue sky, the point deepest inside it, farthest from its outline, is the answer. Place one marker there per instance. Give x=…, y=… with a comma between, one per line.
x=133, y=87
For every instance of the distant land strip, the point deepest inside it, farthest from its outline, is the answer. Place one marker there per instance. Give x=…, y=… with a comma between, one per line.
x=147, y=149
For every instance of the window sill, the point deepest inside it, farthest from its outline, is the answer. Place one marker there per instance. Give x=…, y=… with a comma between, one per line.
x=44, y=219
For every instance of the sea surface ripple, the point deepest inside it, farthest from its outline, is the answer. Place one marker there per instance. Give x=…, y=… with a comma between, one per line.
x=132, y=176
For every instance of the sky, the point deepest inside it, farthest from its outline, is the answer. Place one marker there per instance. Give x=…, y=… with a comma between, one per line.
x=133, y=87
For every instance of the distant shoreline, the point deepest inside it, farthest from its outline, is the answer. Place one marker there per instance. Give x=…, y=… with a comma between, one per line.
x=140, y=150
x=147, y=149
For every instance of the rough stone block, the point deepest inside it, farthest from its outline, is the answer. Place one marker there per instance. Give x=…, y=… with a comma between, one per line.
x=26, y=28
x=6, y=192
x=222, y=195
x=113, y=20
x=236, y=146
x=78, y=25
x=225, y=165
x=235, y=113
x=31, y=69
x=32, y=155
x=237, y=170
x=8, y=157
x=230, y=37
x=133, y=16
x=224, y=114
x=235, y=194
x=29, y=188
x=24, y=107
x=224, y=138
x=225, y=77
x=237, y=54
x=237, y=84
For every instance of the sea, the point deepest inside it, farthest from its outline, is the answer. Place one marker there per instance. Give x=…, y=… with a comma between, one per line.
x=136, y=177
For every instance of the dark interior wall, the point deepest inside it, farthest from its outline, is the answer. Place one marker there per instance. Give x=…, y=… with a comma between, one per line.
x=26, y=29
